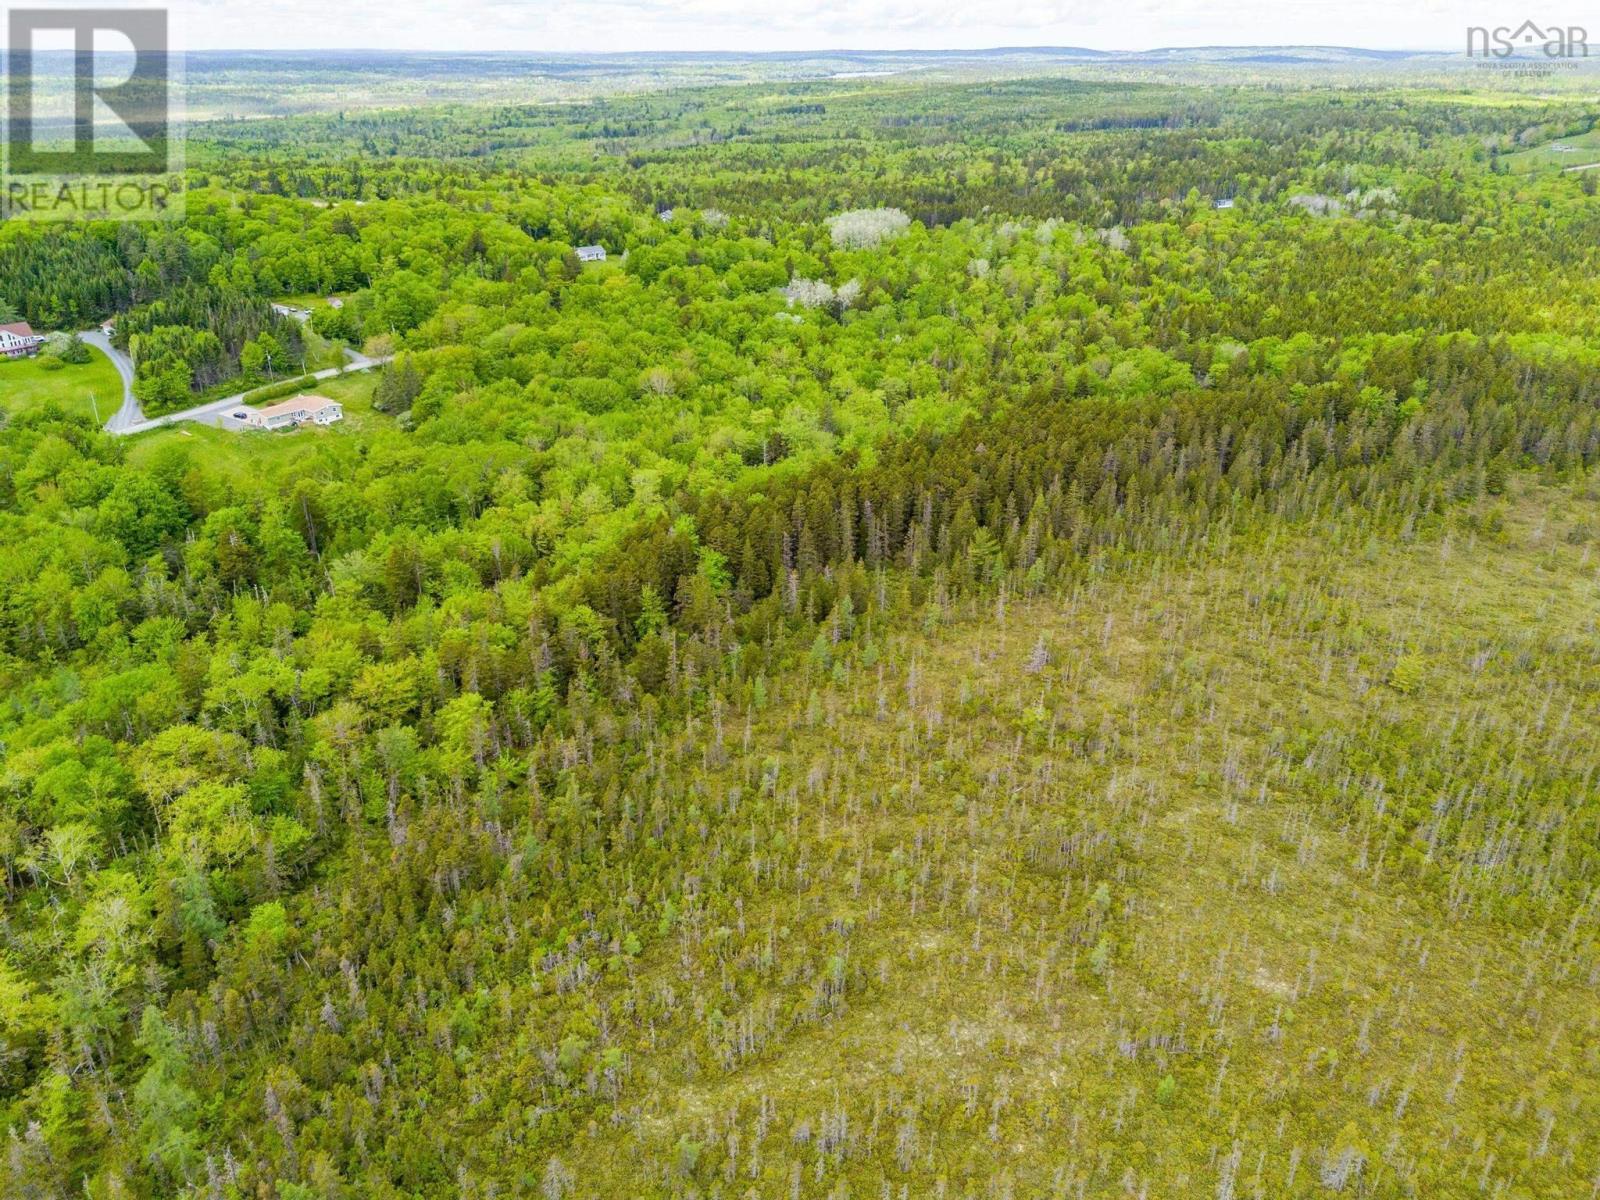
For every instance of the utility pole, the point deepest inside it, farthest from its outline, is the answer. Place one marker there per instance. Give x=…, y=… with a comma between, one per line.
x=96, y=409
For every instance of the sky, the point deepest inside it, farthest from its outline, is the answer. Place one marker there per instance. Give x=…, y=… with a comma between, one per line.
x=766, y=25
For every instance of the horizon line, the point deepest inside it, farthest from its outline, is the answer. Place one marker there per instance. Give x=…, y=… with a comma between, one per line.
x=1043, y=48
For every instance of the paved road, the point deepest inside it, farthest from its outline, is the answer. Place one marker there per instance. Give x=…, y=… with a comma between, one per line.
x=129, y=413
x=216, y=411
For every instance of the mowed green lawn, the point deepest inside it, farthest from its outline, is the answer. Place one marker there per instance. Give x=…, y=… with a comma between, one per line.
x=253, y=454
x=26, y=383
x=1581, y=150
x=354, y=391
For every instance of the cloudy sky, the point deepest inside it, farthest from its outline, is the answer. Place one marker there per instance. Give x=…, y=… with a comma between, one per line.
x=578, y=25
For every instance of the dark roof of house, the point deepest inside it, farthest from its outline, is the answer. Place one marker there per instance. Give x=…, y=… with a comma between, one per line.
x=20, y=328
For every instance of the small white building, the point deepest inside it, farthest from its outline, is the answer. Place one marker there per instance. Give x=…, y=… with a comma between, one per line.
x=286, y=414
x=1227, y=203
x=591, y=253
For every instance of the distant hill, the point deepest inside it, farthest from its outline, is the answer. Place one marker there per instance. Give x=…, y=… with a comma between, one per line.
x=264, y=82
x=1324, y=54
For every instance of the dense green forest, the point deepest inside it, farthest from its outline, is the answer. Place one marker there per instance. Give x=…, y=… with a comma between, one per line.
x=1016, y=638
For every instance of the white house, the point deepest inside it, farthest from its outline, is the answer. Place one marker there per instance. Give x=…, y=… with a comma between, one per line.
x=318, y=410
x=18, y=340
x=591, y=253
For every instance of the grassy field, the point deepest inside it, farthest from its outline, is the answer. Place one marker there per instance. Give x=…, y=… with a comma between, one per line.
x=244, y=454
x=1581, y=150
x=354, y=391
x=303, y=299
x=1246, y=878
x=26, y=383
